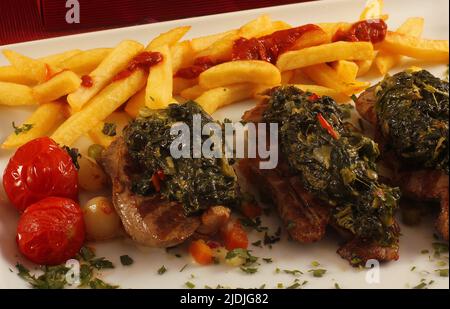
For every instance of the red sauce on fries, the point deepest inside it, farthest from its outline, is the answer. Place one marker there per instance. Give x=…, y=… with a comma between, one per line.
x=86, y=81
x=266, y=48
x=269, y=47
x=372, y=30
x=144, y=60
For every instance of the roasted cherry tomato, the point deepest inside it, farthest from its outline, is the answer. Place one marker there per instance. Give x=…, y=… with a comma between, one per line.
x=51, y=231
x=39, y=169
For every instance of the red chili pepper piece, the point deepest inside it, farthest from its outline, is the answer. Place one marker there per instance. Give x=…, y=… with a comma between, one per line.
x=160, y=174
x=313, y=97
x=156, y=183
x=324, y=123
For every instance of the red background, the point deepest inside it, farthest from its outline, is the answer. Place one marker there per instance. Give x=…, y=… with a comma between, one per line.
x=25, y=20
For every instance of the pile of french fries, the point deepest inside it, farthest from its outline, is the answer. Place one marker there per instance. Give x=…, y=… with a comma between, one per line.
x=65, y=110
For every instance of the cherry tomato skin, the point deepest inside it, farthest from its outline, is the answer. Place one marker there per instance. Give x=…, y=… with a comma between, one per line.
x=39, y=169
x=51, y=231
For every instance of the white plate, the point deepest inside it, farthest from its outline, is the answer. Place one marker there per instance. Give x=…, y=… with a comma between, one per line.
x=286, y=255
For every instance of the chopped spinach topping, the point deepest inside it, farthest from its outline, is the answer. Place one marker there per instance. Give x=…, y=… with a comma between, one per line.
x=23, y=128
x=334, y=163
x=109, y=129
x=413, y=113
x=197, y=183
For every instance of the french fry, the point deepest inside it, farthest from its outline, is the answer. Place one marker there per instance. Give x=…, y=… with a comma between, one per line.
x=44, y=119
x=346, y=70
x=242, y=71
x=36, y=70
x=324, y=91
x=311, y=38
x=119, y=119
x=11, y=75
x=59, y=85
x=160, y=84
x=216, y=98
x=373, y=10
x=115, y=62
x=222, y=48
x=299, y=77
x=286, y=76
x=193, y=92
x=280, y=25
x=182, y=55
x=135, y=103
x=56, y=59
x=257, y=27
x=15, y=94
x=384, y=60
x=168, y=38
x=179, y=84
x=406, y=45
x=324, y=75
x=364, y=66
x=331, y=28
x=85, y=62
x=325, y=53
x=100, y=107
x=204, y=42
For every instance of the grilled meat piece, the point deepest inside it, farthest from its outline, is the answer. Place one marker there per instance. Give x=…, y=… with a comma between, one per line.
x=150, y=221
x=305, y=212
x=305, y=217
x=358, y=252
x=416, y=182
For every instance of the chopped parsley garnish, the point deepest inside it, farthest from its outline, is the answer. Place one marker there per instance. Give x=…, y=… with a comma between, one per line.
x=318, y=273
x=420, y=286
x=294, y=272
x=267, y=260
x=162, y=270
x=254, y=224
x=54, y=277
x=249, y=270
x=296, y=285
x=442, y=272
x=354, y=98
x=74, y=155
x=189, y=285
x=242, y=253
x=257, y=243
x=100, y=284
x=280, y=285
x=109, y=129
x=440, y=248
x=315, y=264
x=22, y=129
x=336, y=286
x=126, y=260
x=101, y=263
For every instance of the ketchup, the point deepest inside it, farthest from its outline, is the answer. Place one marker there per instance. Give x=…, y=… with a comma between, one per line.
x=266, y=48
x=372, y=30
x=269, y=47
x=86, y=81
x=200, y=64
x=144, y=60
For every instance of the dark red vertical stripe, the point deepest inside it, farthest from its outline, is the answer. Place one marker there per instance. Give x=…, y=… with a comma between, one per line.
x=20, y=20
